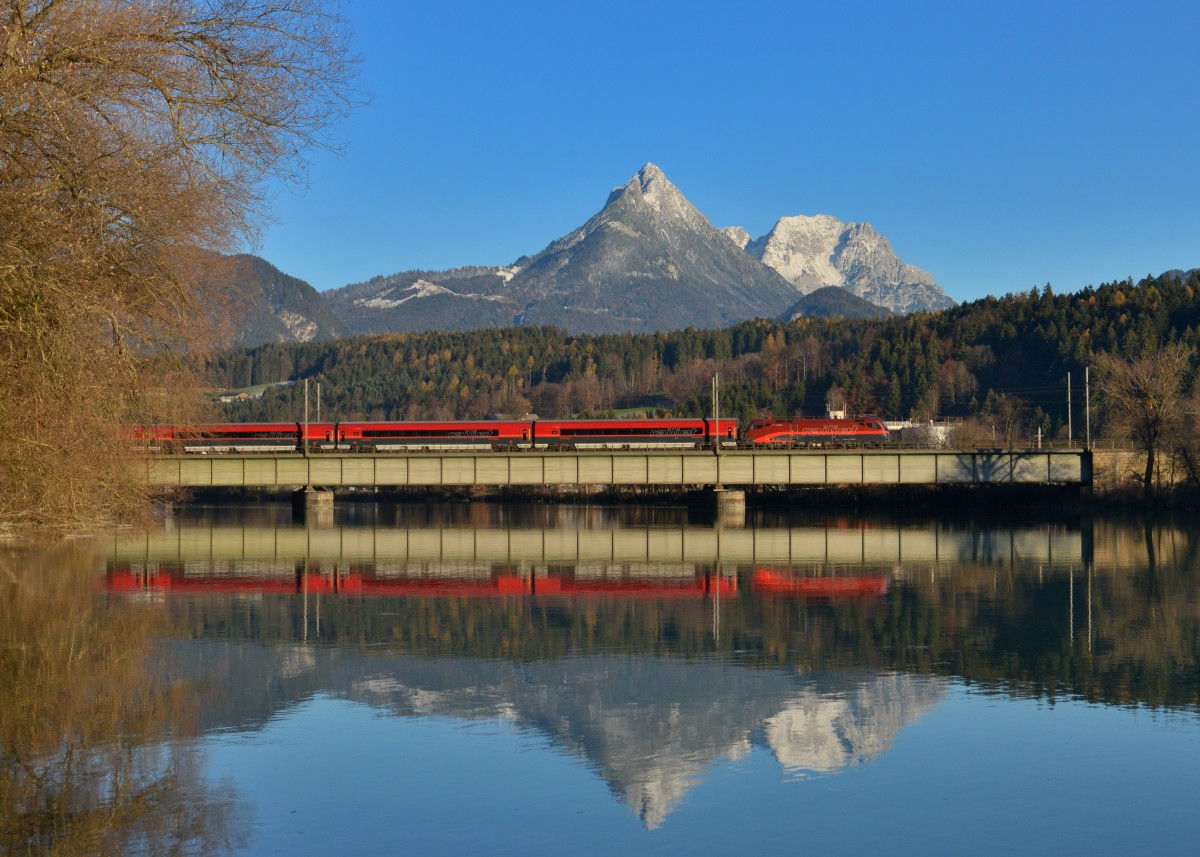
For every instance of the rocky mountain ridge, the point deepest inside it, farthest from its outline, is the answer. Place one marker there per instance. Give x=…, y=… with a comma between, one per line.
x=819, y=251
x=647, y=261
x=458, y=299
x=265, y=304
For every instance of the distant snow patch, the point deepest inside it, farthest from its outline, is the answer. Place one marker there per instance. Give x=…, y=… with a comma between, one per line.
x=420, y=289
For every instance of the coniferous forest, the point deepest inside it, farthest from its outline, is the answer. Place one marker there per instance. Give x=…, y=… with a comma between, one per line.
x=999, y=364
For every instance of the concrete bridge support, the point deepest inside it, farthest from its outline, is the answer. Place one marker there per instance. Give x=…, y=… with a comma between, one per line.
x=314, y=506
x=730, y=506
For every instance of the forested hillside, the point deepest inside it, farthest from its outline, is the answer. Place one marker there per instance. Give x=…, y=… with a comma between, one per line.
x=1003, y=360
x=835, y=302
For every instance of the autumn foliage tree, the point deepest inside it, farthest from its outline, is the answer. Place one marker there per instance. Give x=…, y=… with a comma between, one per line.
x=1145, y=401
x=133, y=134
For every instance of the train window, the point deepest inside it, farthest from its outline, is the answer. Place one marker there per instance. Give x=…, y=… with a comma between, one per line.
x=432, y=432
x=633, y=430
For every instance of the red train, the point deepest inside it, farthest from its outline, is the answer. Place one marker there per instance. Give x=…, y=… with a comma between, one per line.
x=349, y=436
x=807, y=430
x=228, y=437
x=453, y=435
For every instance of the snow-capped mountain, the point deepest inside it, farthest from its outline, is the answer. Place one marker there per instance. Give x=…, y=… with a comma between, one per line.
x=648, y=260
x=819, y=251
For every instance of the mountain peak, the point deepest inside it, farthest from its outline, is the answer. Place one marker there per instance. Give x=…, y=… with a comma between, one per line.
x=805, y=221
x=812, y=252
x=640, y=261
x=651, y=186
x=649, y=173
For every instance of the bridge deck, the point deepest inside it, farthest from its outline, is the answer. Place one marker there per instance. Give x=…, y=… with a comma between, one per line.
x=742, y=468
x=454, y=548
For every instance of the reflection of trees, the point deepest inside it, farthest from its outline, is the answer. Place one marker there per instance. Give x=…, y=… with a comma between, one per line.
x=1115, y=633
x=91, y=755
x=1125, y=629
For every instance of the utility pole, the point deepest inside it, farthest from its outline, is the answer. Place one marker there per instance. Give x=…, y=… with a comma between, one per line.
x=1087, y=401
x=1070, y=430
x=304, y=440
x=716, y=393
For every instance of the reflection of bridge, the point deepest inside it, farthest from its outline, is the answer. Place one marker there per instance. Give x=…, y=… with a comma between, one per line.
x=742, y=468
x=687, y=545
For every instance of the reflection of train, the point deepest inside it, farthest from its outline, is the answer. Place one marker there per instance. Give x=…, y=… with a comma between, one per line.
x=688, y=433
x=366, y=581
x=768, y=582
x=356, y=582
x=775, y=582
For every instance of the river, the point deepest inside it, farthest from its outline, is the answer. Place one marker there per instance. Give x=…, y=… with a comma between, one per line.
x=469, y=678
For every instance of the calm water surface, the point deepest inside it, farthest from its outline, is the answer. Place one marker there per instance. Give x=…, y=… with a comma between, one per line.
x=518, y=680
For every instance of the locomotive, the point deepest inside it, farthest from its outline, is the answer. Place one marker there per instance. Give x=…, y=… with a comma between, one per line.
x=502, y=435
x=808, y=430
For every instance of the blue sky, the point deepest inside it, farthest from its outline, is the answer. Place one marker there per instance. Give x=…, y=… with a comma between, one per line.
x=998, y=146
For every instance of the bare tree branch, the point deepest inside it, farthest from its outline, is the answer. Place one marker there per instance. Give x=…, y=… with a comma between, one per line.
x=131, y=132
x=1144, y=400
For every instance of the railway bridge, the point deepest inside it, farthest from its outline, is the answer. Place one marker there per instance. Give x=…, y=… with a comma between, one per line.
x=730, y=471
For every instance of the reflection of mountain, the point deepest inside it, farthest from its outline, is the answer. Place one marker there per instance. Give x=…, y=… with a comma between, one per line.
x=653, y=726
x=650, y=726
x=822, y=731
x=818, y=660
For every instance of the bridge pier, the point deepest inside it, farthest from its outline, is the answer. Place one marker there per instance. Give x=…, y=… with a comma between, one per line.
x=314, y=506
x=730, y=506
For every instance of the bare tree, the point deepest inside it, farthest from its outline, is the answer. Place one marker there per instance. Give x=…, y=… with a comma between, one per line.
x=1144, y=401
x=131, y=132
x=1006, y=414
